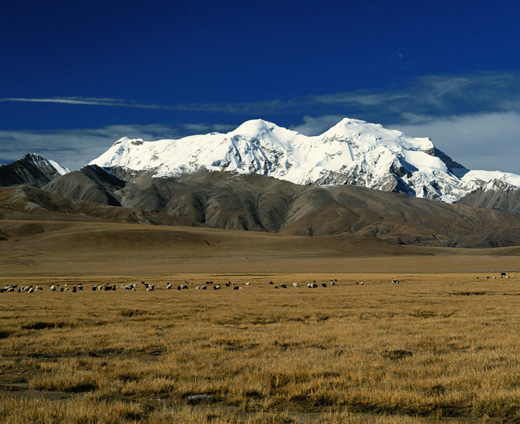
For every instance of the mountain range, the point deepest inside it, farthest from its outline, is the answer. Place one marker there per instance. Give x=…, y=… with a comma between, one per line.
x=352, y=152
x=356, y=178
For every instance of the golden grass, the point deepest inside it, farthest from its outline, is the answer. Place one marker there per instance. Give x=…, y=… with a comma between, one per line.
x=435, y=346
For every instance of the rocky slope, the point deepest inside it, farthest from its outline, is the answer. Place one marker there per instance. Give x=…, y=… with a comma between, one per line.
x=32, y=170
x=495, y=194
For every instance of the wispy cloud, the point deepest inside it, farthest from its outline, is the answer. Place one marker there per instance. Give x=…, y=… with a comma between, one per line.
x=90, y=101
x=435, y=95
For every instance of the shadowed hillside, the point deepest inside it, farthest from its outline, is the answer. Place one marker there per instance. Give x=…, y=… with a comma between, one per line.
x=257, y=203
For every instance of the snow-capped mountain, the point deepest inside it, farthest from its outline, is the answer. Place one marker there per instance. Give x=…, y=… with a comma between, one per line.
x=32, y=170
x=352, y=152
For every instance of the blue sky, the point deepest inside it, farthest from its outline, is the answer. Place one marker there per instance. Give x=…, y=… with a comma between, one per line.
x=78, y=75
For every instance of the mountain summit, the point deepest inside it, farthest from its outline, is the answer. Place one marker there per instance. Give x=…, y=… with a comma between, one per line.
x=352, y=152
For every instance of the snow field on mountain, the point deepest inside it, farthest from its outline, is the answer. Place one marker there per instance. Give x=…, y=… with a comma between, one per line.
x=351, y=152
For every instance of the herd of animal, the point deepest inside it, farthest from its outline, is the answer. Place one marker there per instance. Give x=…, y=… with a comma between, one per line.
x=208, y=285
x=10, y=288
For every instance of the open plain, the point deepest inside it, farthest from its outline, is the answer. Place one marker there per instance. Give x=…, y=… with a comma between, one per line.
x=440, y=345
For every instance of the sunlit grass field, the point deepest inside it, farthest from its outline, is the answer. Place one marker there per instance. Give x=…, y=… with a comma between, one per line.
x=433, y=347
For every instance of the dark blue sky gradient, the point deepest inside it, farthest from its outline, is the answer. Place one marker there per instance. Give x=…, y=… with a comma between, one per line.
x=172, y=55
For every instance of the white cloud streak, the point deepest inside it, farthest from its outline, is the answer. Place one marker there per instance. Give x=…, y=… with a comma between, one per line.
x=89, y=101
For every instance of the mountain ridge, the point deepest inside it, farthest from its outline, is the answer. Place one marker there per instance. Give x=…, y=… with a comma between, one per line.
x=254, y=202
x=31, y=169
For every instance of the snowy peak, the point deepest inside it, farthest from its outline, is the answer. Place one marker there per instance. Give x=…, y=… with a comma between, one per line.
x=374, y=135
x=254, y=128
x=47, y=166
x=126, y=140
x=352, y=152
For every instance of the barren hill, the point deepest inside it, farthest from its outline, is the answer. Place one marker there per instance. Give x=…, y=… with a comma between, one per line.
x=257, y=203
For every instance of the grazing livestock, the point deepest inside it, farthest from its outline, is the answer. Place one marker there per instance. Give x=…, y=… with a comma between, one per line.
x=204, y=287
x=128, y=287
x=395, y=281
x=80, y=286
x=53, y=288
x=323, y=285
x=283, y=286
x=296, y=285
x=168, y=286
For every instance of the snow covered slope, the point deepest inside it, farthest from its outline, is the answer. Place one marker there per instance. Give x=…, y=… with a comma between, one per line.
x=351, y=152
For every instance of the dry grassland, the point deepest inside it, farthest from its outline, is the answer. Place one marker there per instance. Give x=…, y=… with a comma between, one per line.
x=434, y=347
x=63, y=249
